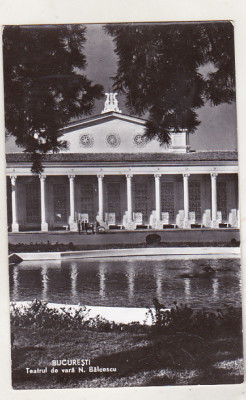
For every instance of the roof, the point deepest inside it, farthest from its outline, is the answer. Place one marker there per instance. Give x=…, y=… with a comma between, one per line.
x=98, y=119
x=199, y=156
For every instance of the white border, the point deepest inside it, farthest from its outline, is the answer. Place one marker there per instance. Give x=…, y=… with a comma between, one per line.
x=63, y=11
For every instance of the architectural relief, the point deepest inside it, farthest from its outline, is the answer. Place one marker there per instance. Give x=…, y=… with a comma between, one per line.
x=86, y=140
x=140, y=141
x=113, y=140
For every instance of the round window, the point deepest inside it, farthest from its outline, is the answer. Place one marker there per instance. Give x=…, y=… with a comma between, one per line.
x=113, y=140
x=86, y=140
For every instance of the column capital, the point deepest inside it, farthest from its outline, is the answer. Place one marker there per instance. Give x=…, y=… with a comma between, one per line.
x=157, y=176
x=214, y=175
x=42, y=177
x=129, y=176
x=13, y=179
x=100, y=176
x=186, y=175
x=71, y=177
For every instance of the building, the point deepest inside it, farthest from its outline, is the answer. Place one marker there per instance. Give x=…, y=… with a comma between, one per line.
x=111, y=174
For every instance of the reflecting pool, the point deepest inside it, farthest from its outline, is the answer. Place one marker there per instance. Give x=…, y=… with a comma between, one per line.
x=129, y=281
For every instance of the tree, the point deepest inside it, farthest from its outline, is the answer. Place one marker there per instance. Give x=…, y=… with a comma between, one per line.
x=170, y=70
x=43, y=85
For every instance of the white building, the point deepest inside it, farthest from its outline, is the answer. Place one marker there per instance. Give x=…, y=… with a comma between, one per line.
x=111, y=173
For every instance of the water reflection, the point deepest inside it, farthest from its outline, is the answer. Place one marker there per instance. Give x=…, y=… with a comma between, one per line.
x=45, y=281
x=128, y=282
x=74, y=274
x=158, y=278
x=215, y=285
x=102, y=277
x=187, y=290
x=131, y=278
x=15, y=282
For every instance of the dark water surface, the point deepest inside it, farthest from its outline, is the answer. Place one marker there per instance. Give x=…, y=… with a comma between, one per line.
x=129, y=281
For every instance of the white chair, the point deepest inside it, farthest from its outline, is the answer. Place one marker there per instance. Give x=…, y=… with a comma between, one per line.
x=110, y=218
x=233, y=218
x=206, y=218
x=180, y=219
x=192, y=217
x=138, y=218
x=165, y=218
x=219, y=217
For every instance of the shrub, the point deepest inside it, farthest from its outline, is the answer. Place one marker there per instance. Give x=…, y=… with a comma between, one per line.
x=153, y=239
x=182, y=318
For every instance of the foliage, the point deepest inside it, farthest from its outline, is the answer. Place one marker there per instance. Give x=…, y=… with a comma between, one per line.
x=170, y=70
x=44, y=85
x=182, y=318
x=39, y=314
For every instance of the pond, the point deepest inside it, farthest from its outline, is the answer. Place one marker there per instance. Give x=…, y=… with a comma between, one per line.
x=129, y=281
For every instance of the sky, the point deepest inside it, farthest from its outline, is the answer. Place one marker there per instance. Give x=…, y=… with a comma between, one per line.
x=217, y=130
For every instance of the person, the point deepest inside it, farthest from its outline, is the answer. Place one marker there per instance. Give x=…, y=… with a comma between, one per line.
x=79, y=226
x=86, y=225
x=83, y=225
x=97, y=225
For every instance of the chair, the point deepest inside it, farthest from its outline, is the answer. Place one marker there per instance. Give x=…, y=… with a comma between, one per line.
x=165, y=218
x=192, y=217
x=138, y=219
x=219, y=217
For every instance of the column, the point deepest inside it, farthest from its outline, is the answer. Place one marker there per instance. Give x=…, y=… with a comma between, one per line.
x=15, y=225
x=129, y=196
x=157, y=197
x=44, y=225
x=100, y=197
x=186, y=200
x=72, y=223
x=214, y=200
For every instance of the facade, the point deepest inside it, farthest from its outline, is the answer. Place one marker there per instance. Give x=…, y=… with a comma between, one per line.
x=111, y=174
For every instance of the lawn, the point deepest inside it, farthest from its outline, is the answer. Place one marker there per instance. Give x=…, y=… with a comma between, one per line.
x=138, y=355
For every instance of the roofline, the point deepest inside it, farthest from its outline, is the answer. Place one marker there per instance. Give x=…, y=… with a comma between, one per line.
x=103, y=118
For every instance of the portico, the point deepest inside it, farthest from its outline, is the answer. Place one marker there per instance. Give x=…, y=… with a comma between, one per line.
x=124, y=197
x=111, y=174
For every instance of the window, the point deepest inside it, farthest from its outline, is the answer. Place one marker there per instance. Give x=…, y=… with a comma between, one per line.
x=60, y=203
x=195, y=198
x=141, y=199
x=32, y=203
x=114, y=200
x=222, y=199
x=167, y=198
x=87, y=200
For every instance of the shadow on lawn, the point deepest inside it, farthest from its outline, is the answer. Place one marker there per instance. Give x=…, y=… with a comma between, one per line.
x=179, y=353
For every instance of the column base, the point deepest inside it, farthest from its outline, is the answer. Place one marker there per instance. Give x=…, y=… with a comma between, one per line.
x=159, y=224
x=186, y=224
x=130, y=225
x=214, y=224
x=73, y=226
x=101, y=222
x=44, y=227
x=15, y=227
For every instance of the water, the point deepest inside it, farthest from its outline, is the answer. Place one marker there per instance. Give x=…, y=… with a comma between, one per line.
x=129, y=282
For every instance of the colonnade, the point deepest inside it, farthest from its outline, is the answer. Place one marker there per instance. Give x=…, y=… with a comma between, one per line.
x=129, y=212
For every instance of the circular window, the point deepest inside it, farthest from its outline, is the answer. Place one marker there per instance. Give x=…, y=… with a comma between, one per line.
x=86, y=140
x=113, y=140
x=140, y=140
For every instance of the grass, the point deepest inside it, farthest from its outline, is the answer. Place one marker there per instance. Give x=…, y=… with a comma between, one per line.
x=142, y=355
